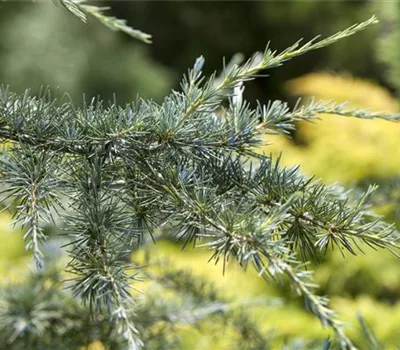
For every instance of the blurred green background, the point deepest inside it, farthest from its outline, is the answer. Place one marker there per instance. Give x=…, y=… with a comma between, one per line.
x=42, y=44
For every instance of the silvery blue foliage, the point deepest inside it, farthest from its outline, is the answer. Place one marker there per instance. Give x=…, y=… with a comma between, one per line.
x=115, y=175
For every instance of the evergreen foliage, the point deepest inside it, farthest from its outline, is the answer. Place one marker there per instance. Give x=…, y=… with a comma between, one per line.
x=39, y=314
x=111, y=176
x=80, y=10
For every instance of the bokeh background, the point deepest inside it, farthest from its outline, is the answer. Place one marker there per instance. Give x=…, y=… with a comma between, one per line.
x=43, y=45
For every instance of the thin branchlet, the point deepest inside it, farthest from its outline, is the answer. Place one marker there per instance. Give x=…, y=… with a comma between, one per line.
x=80, y=9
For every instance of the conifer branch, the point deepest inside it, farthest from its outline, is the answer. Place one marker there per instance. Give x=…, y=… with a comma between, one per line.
x=80, y=10
x=31, y=176
x=73, y=7
x=102, y=234
x=182, y=165
x=231, y=219
x=210, y=94
x=277, y=116
x=253, y=241
x=312, y=109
